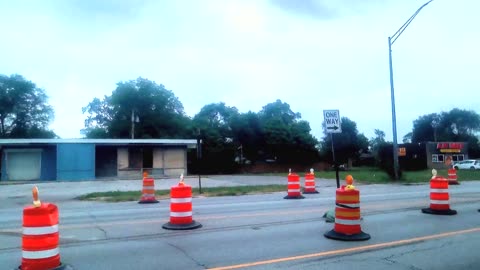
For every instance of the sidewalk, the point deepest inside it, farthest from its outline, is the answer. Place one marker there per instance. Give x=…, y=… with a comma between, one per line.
x=61, y=191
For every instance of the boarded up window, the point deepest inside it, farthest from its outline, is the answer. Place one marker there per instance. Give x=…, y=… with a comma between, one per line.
x=175, y=158
x=135, y=157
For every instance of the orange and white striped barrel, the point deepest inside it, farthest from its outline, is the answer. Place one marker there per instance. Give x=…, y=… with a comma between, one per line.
x=452, y=177
x=347, y=217
x=181, y=208
x=148, y=191
x=347, y=212
x=309, y=183
x=40, y=238
x=439, y=197
x=293, y=187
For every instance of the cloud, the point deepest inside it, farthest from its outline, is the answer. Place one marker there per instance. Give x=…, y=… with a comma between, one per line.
x=329, y=9
x=313, y=8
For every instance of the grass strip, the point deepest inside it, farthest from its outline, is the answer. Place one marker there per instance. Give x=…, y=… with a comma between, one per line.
x=124, y=196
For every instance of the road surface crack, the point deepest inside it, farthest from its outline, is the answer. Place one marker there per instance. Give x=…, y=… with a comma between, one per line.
x=98, y=226
x=389, y=259
x=187, y=255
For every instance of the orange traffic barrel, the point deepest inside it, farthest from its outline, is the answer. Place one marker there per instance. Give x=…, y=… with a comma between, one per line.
x=310, y=183
x=347, y=217
x=452, y=177
x=181, y=209
x=439, y=197
x=148, y=191
x=293, y=187
x=40, y=237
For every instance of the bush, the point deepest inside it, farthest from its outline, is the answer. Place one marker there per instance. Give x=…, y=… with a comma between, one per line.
x=385, y=161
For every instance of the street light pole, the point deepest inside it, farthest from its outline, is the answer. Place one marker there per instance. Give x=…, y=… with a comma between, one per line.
x=391, y=40
x=134, y=119
x=394, y=116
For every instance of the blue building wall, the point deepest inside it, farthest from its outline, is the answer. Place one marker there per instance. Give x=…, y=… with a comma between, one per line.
x=49, y=163
x=48, y=170
x=3, y=168
x=75, y=161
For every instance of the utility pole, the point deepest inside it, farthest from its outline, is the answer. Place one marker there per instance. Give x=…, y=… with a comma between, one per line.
x=391, y=40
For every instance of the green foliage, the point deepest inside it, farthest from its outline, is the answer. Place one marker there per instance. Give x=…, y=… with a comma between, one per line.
x=348, y=144
x=124, y=196
x=24, y=111
x=214, y=125
x=455, y=125
x=275, y=133
x=159, y=112
x=286, y=137
x=385, y=160
x=376, y=144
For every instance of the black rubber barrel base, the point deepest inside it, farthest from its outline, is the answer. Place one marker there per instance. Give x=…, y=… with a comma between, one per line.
x=61, y=267
x=150, y=201
x=293, y=197
x=345, y=237
x=190, y=226
x=311, y=192
x=453, y=182
x=448, y=212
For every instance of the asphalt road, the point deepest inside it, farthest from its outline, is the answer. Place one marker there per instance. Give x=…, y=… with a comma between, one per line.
x=262, y=232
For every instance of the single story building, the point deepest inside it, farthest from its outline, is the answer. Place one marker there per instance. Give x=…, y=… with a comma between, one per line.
x=88, y=159
x=432, y=155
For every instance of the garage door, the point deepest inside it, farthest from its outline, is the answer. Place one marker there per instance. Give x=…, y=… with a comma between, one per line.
x=23, y=165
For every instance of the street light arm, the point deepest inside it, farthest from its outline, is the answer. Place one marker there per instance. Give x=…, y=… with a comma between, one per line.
x=405, y=25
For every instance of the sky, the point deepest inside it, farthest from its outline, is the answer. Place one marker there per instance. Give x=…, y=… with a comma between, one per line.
x=314, y=55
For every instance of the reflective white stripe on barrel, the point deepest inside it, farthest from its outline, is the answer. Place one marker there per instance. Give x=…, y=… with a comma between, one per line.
x=148, y=195
x=353, y=205
x=40, y=230
x=436, y=190
x=347, y=221
x=439, y=202
x=180, y=200
x=180, y=214
x=148, y=187
x=309, y=181
x=43, y=254
x=293, y=190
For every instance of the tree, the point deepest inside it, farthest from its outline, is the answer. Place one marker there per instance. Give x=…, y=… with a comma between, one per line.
x=455, y=125
x=348, y=144
x=24, y=110
x=377, y=143
x=423, y=130
x=214, y=122
x=286, y=137
x=159, y=112
x=407, y=138
x=248, y=133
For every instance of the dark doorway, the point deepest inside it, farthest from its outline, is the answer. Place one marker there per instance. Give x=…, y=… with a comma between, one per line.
x=140, y=157
x=105, y=161
x=147, y=157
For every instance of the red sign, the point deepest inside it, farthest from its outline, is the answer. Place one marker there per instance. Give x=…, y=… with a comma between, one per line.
x=449, y=145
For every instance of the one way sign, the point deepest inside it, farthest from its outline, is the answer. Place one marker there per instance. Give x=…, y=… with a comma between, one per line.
x=332, y=121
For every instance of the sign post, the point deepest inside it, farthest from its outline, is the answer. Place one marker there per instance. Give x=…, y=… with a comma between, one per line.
x=333, y=125
x=199, y=160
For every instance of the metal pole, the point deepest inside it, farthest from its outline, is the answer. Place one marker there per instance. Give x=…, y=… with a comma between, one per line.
x=391, y=40
x=199, y=158
x=133, y=126
x=335, y=162
x=394, y=117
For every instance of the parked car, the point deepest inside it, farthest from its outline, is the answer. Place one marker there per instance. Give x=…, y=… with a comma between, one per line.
x=469, y=164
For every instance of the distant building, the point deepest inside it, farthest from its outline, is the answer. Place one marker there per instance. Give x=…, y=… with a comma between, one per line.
x=432, y=155
x=88, y=159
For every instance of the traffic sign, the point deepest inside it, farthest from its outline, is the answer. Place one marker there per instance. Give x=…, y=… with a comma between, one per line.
x=332, y=121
